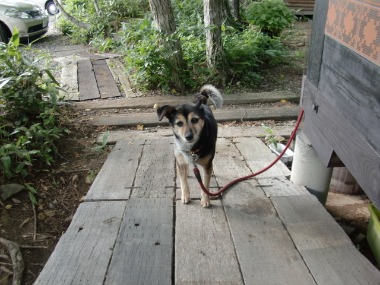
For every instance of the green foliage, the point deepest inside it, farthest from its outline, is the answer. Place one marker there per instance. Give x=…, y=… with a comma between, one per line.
x=29, y=128
x=103, y=25
x=127, y=30
x=272, y=16
x=145, y=56
x=270, y=137
x=246, y=51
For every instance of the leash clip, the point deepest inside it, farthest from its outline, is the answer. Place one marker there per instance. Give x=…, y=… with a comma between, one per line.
x=193, y=158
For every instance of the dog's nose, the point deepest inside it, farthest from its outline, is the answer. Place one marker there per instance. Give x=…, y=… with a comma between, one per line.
x=189, y=136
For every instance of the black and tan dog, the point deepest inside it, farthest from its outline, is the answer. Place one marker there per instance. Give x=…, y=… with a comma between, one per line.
x=195, y=131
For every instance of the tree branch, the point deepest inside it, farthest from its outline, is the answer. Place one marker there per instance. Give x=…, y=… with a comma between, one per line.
x=17, y=260
x=71, y=18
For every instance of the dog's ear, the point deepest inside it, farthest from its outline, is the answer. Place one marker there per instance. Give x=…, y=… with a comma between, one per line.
x=165, y=111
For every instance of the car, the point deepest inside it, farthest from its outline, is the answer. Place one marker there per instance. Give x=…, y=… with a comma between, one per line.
x=29, y=19
x=47, y=5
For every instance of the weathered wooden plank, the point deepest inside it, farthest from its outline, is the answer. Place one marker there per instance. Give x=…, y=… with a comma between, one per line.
x=326, y=249
x=280, y=186
x=229, y=164
x=258, y=156
x=156, y=173
x=84, y=251
x=224, y=115
x=69, y=80
x=149, y=102
x=328, y=133
x=351, y=85
x=265, y=251
x=120, y=75
x=204, y=252
x=116, y=177
x=88, y=88
x=106, y=83
x=317, y=39
x=223, y=132
x=144, y=249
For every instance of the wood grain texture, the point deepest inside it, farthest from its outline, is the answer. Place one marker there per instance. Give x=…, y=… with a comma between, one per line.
x=116, y=177
x=84, y=251
x=351, y=85
x=258, y=156
x=144, y=249
x=317, y=40
x=327, y=250
x=106, y=83
x=120, y=75
x=265, y=251
x=329, y=131
x=280, y=186
x=69, y=80
x=88, y=88
x=155, y=174
x=204, y=252
x=229, y=164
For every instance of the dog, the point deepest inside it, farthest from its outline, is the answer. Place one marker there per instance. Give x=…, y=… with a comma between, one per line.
x=195, y=132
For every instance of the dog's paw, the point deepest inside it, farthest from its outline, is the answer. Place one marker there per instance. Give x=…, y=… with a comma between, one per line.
x=185, y=199
x=205, y=202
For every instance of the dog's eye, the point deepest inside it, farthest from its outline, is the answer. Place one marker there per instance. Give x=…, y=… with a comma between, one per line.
x=194, y=120
x=179, y=123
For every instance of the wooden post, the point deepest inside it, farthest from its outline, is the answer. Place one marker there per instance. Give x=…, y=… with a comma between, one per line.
x=308, y=170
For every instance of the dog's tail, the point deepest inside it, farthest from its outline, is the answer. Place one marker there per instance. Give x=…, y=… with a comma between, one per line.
x=209, y=91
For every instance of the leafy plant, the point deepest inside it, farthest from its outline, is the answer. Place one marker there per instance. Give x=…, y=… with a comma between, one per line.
x=272, y=16
x=103, y=145
x=30, y=127
x=270, y=137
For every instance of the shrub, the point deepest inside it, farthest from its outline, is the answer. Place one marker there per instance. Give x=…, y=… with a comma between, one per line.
x=272, y=16
x=29, y=128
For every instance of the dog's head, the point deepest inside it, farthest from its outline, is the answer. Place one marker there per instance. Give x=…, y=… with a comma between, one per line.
x=187, y=120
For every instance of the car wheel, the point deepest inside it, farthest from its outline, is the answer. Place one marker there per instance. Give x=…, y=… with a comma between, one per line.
x=3, y=34
x=51, y=8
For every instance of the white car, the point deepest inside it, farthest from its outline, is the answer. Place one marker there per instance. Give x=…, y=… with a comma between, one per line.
x=47, y=5
x=29, y=19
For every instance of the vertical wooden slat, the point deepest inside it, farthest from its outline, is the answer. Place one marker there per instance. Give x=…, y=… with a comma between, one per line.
x=84, y=251
x=326, y=249
x=116, y=177
x=106, y=83
x=204, y=252
x=265, y=251
x=144, y=249
x=88, y=88
x=155, y=175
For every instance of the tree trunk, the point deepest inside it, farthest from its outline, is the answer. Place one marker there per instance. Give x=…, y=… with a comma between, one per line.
x=164, y=22
x=235, y=9
x=213, y=17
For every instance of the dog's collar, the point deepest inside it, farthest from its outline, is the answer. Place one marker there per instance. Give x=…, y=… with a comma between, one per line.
x=196, y=151
x=193, y=154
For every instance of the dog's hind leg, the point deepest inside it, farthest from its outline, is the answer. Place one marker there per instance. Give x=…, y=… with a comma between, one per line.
x=183, y=172
x=207, y=172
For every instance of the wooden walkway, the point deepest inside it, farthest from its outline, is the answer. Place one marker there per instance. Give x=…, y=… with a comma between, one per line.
x=133, y=229
x=88, y=76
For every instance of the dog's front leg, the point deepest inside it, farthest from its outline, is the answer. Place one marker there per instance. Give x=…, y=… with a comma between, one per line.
x=183, y=172
x=207, y=172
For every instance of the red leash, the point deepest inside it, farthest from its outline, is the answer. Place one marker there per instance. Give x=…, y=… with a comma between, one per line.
x=199, y=178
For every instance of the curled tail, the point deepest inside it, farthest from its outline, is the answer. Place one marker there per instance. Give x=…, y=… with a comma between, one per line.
x=209, y=91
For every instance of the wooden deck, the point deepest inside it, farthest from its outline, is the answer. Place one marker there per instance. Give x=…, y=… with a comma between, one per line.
x=133, y=229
